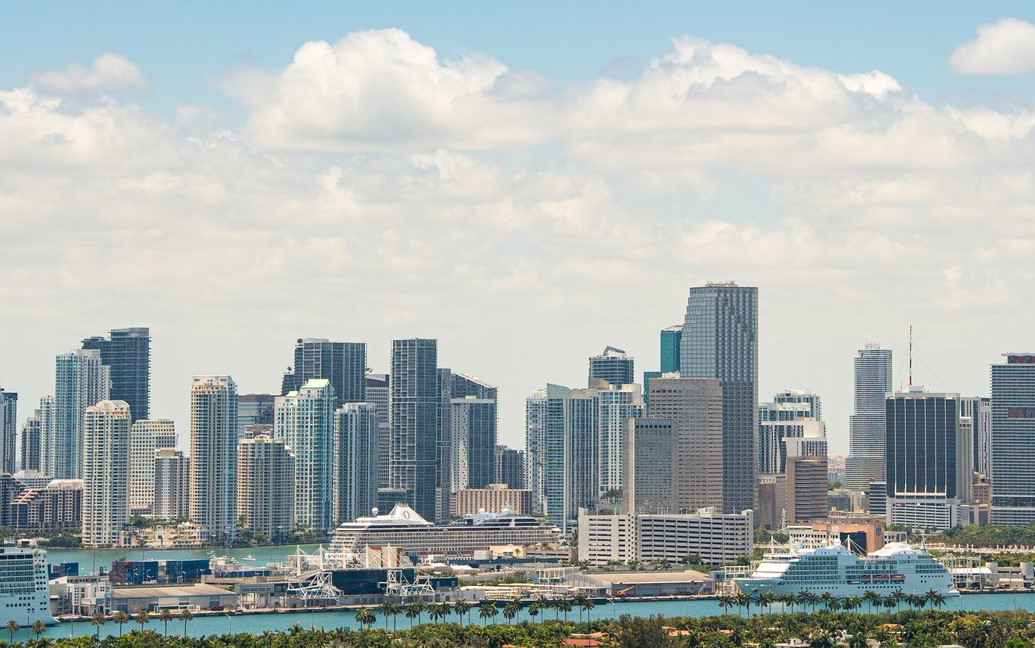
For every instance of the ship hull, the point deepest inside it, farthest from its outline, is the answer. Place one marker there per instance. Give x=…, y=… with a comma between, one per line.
x=840, y=590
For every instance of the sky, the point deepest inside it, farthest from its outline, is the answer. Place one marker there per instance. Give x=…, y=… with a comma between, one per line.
x=526, y=182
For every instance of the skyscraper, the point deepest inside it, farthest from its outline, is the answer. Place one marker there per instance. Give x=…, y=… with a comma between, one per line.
x=81, y=381
x=213, y=456
x=305, y=421
x=344, y=364
x=444, y=434
x=105, y=470
x=378, y=395
x=789, y=420
x=172, y=479
x=866, y=427
x=612, y=366
x=265, y=486
x=976, y=413
x=806, y=488
x=799, y=397
x=562, y=435
x=127, y=353
x=694, y=405
x=356, y=434
x=720, y=340
x=510, y=467
x=146, y=436
x=671, y=339
x=474, y=423
x=618, y=404
x=1013, y=437
x=647, y=466
x=8, y=430
x=473, y=453
x=29, y=447
x=927, y=458
x=415, y=403
x=255, y=409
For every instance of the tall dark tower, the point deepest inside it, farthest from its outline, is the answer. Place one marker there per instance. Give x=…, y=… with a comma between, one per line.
x=416, y=401
x=127, y=354
x=720, y=340
x=344, y=364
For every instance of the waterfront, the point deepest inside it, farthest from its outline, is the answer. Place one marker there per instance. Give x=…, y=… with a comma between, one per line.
x=91, y=559
x=258, y=623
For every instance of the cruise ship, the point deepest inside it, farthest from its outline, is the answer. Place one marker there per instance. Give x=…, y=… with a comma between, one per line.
x=896, y=567
x=405, y=529
x=24, y=591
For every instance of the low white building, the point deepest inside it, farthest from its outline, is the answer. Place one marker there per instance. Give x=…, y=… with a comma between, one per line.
x=714, y=538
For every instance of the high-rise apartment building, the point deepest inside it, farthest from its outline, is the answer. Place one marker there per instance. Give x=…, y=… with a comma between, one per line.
x=806, y=488
x=81, y=381
x=694, y=405
x=172, y=485
x=444, y=442
x=647, y=466
x=265, y=486
x=976, y=414
x=8, y=430
x=378, y=395
x=927, y=456
x=613, y=367
x=146, y=436
x=356, y=433
x=720, y=341
x=415, y=404
x=510, y=467
x=801, y=397
x=473, y=454
x=866, y=427
x=304, y=419
x=255, y=409
x=127, y=354
x=29, y=446
x=213, y=457
x=562, y=436
x=105, y=467
x=1013, y=437
x=344, y=364
x=778, y=440
x=618, y=404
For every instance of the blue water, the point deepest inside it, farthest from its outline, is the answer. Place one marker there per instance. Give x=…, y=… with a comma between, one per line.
x=257, y=623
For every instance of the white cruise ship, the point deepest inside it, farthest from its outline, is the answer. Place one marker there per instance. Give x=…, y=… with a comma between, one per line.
x=896, y=567
x=405, y=529
x=24, y=591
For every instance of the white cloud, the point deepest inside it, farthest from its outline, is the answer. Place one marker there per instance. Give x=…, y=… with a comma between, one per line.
x=380, y=89
x=1005, y=48
x=107, y=73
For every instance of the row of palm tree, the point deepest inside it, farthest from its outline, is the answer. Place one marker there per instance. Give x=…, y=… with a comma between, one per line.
x=98, y=619
x=830, y=602
x=486, y=611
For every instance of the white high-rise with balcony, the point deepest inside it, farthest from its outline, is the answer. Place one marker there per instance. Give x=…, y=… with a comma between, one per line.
x=213, y=456
x=105, y=452
x=305, y=420
x=146, y=436
x=80, y=381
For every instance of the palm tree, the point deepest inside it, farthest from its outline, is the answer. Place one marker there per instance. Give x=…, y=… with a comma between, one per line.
x=38, y=628
x=533, y=610
x=389, y=609
x=165, y=616
x=142, y=617
x=891, y=601
x=858, y=640
x=834, y=604
x=744, y=600
x=120, y=618
x=578, y=599
x=587, y=605
x=510, y=610
x=767, y=599
x=97, y=620
x=461, y=608
x=935, y=597
x=810, y=599
x=365, y=618
x=726, y=602
x=185, y=616
x=487, y=611
x=564, y=605
x=825, y=599
x=414, y=610
x=441, y=611
x=874, y=599
x=852, y=603
x=12, y=627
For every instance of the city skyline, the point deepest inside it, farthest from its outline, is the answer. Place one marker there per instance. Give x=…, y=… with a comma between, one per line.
x=496, y=196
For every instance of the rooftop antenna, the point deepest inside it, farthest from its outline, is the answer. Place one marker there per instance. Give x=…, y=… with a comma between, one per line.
x=910, y=355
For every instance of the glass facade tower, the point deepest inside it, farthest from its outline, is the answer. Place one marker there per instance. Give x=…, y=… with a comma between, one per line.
x=1013, y=437
x=127, y=353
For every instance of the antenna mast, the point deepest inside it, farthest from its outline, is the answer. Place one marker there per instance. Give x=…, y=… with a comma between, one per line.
x=910, y=355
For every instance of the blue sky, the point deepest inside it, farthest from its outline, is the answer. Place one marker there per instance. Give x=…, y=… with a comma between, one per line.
x=186, y=48
x=527, y=182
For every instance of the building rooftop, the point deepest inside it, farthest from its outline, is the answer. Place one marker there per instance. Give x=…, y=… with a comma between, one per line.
x=198, y=589
x=612, y=578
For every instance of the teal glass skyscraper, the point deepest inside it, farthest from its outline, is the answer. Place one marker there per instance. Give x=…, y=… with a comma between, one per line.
x=670, y=351
x=720, y=340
